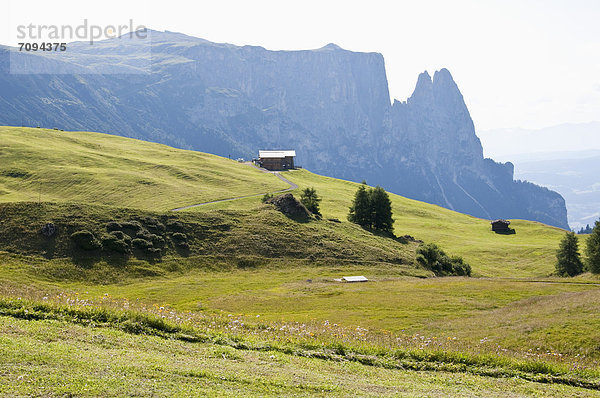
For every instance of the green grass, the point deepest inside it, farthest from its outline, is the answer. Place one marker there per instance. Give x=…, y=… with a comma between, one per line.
x=252, y=306
x=53, y=358
x=61, y=166
x=103, y=169
x=231, y=345
x=528, y=253
x=545, y=316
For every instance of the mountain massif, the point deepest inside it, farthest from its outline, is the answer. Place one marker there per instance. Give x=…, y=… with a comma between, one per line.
x=331, y=105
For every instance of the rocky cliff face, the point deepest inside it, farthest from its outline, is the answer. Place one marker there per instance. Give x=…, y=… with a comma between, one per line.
x=329, y=104
x=446, y=153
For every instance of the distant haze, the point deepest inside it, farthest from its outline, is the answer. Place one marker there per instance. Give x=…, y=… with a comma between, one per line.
x=519, y=63
x=514, y=143
x=564, y=158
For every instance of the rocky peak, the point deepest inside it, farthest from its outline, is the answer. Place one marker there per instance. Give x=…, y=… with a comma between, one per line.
x=423, y=93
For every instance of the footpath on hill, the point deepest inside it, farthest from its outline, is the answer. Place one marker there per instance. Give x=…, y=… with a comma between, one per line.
x=276, y=173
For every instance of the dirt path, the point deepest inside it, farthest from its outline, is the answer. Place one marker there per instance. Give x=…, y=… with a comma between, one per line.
x=276, y=173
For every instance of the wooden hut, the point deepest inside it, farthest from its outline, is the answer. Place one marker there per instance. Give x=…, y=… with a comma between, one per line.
x=276, y=160
x=501, y=226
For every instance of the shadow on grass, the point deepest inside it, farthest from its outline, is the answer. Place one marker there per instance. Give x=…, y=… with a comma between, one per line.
x=509, y=231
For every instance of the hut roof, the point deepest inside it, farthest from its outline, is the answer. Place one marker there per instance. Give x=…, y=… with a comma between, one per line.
x=505, y=222
x=276, y=154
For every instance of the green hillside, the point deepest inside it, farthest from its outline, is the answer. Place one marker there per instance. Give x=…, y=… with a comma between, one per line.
x=57, y=166
x=61, y=166
x=234, y=297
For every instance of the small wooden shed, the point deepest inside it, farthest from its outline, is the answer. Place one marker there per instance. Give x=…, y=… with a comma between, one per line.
x=501, y=226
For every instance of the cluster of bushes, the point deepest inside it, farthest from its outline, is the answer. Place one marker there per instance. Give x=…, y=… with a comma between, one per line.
x=431, y=257
x=148, y=237
x=568, y=258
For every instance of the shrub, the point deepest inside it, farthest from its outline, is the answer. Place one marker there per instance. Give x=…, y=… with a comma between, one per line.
x=120, y=235
x=568, y=259
x=144, y=234
x=141, y=243
x=153, y=224
x=112, y=242
x=179, y=237
x=113, y=226
x=85, y=240
x=157, y=241
x=175, y=225
x=431, y=257
x=182, y=245
x=133, y=226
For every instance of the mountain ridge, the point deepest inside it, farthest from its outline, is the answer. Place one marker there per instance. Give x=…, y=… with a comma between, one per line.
x=333, y=106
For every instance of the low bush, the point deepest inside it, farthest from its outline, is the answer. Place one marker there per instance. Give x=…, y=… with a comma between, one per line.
x=120, y=235
x=113, y=243
x=141, y=243
x=114, y=226
x=175, y=225
x=86, y=240
x=133, y=226
x=431, y=257
x=180, y=237
x=266, y=197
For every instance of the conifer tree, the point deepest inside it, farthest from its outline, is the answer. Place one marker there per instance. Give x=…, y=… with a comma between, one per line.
x=592, y=250
x=372, y=209
x=310, y=200
x=568, y=259
x=360, y=210
x=381, y=210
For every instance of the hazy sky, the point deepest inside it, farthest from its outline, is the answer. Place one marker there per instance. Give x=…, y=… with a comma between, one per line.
x=520, y=63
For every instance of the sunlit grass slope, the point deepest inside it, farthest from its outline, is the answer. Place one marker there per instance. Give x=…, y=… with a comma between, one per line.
x=528, y=253
x=61, y=166
x=104, y=169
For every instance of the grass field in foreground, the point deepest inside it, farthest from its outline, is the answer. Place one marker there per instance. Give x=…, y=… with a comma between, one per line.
x=53, y=358
x=545, y=318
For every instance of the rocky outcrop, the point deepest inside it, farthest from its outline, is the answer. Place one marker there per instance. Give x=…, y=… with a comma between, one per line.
x=331, y=105
x=290, y=206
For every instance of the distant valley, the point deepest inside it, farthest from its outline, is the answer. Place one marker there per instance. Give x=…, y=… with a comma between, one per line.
x=573, y=172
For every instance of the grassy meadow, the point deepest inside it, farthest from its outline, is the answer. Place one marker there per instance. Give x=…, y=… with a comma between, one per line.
x=250, y=305
x=61, y=166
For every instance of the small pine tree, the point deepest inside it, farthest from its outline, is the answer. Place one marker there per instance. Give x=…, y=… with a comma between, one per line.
x=310, y=200
x=592, y=250
x=266, y=197
x=360, y=211
x=568, y=258
x=381, y=209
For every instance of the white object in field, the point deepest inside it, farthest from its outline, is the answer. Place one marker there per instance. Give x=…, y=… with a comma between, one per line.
x=355, y=279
